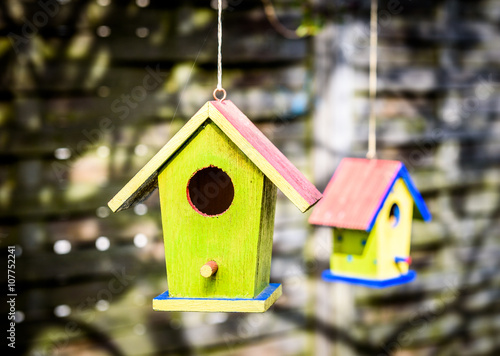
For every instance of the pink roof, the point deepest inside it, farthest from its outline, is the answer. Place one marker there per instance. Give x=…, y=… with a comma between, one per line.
x=266, y=148
x=357, y=191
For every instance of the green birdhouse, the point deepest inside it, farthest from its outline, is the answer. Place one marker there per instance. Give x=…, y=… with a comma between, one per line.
x=218, y=179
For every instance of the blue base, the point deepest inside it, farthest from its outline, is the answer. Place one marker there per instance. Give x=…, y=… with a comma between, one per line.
x=329, y=276
x=259, y=304
x=266, y=293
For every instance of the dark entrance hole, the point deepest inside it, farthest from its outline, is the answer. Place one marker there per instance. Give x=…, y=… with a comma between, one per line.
x=394, y=214
x=210, y=191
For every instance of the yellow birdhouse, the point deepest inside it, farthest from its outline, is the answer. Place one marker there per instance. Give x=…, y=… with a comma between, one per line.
x=370, y=205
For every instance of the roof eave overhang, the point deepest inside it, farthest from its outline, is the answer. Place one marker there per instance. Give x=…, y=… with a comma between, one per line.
x=146, y=180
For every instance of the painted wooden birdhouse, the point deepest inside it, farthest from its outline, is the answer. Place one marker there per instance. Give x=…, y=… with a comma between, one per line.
x=218, y=179
x=370, y=205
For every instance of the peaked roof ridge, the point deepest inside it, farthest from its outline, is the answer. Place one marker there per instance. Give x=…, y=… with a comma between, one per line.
x=422, y=208
x=396, y=166
x=247, y=137
x=264, y=154
x=345, y=205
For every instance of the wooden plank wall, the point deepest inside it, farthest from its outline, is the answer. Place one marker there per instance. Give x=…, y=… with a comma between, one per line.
x=98, y=89
x=437, y=112
x=85, y=102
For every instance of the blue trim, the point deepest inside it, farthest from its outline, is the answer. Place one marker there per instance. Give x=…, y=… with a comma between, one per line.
x=382, y=201
x=329, y=276
x=425, y=214
x=264, y=295
x=422, y=209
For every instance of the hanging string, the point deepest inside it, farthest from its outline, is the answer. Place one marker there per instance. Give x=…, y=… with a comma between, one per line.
x=219, y=49
x=219, y=56
x=372, y=85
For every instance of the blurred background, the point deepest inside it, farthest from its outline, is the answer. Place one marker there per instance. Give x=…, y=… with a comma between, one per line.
x=90, y=90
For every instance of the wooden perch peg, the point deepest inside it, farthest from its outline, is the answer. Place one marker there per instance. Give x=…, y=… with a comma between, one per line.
x=209, y=269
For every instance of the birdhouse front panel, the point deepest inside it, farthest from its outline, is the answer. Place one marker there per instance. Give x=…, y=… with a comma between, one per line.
x=393, y=231
x=216, y=206
x=218, y=177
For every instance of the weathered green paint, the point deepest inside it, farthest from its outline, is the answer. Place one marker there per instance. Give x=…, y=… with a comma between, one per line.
x=237, y=240
x=266, y=235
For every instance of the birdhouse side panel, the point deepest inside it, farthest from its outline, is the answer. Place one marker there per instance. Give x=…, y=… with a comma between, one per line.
x=198, y=228
x=266, y=235
x=393, y=230
x=354, y=253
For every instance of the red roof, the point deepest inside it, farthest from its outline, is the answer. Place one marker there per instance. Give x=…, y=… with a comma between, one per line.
x=356, y=193
x=271, y=154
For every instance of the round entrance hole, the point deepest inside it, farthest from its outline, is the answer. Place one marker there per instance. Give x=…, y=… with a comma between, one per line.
x=210, y=191
x=394, y=215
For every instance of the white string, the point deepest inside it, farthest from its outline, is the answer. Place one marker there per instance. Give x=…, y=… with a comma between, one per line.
x=219, y=55
x=372, y=86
